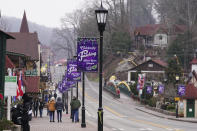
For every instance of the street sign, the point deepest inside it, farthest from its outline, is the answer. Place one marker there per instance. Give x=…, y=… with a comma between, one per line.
x=10, y=85
x=177, y=98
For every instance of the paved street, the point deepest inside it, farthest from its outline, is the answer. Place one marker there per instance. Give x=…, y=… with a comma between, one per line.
x=119, y=115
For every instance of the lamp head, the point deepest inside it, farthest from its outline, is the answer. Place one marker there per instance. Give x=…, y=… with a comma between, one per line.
x=101, y=17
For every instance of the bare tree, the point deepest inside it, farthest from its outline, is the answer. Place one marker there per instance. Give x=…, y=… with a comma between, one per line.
x=4, y=24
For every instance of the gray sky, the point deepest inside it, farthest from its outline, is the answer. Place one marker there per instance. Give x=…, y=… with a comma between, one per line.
x=43, y=12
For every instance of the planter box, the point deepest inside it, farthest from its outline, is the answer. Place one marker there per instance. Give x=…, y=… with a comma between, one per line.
x=17, y=128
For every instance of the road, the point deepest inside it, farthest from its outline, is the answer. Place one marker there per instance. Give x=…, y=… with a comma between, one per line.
x=121, y=115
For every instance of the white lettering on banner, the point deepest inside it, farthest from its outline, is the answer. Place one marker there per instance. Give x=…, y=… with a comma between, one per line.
x=72, y=69
x=85, y=53
x=87, y=47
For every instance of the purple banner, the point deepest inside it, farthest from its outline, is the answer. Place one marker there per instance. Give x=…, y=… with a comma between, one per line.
x=60, y=87
x=181, y=90
x=72, y=73
x=87, y=55
x=149, y=89
x=69, y=84
x=161, y=89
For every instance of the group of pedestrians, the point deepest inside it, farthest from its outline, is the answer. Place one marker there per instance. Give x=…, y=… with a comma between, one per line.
x=53, y=105
x=38, y=104
x=58, y=106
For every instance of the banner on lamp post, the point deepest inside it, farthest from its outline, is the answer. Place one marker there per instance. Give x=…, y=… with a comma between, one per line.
x=161, y=89
x=87, y=54
x=181, y=90
x=149, y=89
x=72, y=73
x=68, y=84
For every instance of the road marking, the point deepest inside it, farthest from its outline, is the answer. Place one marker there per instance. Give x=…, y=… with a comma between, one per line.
x=169, y=129
x=176, y=129
x=121, y=129
x=119, y=115
x=91, y=98
x=112, y=111
x=114, y=129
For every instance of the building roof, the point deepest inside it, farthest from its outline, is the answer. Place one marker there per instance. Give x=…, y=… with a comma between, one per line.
x=7, y=35
x=33, y=84
x=152, y=29
x=24, y=25
x=24, y=43
x=190, y=92
x=156, y=61
x=160, y=62
x=9, y=63
x=149, y=29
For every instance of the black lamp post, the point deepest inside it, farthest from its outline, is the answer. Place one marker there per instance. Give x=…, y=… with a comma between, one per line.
x=75, y=57
x=83, y=122
x=177, y=79
x=101, y=16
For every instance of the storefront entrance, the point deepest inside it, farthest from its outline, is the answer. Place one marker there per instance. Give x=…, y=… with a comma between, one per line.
x=190, y=107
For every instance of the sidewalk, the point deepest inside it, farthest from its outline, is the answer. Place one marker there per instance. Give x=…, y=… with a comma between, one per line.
x=43, y=124
x=161, y=115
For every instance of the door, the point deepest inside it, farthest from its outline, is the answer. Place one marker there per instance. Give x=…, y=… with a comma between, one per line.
x=190, y=107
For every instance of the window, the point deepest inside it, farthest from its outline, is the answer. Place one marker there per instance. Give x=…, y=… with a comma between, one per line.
x=150, y=65
x=160, y=37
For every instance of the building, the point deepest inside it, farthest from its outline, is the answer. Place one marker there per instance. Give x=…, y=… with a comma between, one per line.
x=23, y=52
x=190, y=97
x=156, y=35
x=153, y=70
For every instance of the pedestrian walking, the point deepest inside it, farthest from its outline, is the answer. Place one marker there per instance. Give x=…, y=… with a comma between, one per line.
x=51, y=107
x=35, y=107
x=59, y=107
x=46, y=98
x=41, y=106
x=75, y=105
x=66, y=107
x=55, y=95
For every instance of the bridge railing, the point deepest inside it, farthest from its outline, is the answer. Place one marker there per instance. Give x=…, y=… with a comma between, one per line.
x=124, y=88
x=112, y=89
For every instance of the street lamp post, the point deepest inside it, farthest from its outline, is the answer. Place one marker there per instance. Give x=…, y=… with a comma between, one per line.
x=177, y=115
x=83, y=122
x=75, y=57
x=101, y=16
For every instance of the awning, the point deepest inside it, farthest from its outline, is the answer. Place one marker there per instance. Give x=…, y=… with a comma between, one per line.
x=33, y=83
x=9, y=63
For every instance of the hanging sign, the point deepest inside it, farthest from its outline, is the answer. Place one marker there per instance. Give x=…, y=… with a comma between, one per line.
x=149, y=89
x=161, y=89
x=68, y=84
x=87, y=55
x=72, y=73
x=181, y=90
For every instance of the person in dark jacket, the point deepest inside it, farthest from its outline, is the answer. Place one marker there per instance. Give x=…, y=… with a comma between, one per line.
x=75, y=104
x=59, y=106
x=35, y=107
x=41, y=106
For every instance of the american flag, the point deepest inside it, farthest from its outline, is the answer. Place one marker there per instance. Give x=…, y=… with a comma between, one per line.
x=19, y=91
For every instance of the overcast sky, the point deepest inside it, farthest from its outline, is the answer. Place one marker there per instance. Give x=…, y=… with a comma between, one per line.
x=43, y=12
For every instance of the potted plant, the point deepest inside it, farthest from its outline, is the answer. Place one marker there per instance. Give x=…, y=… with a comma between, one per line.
x=6, y=125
